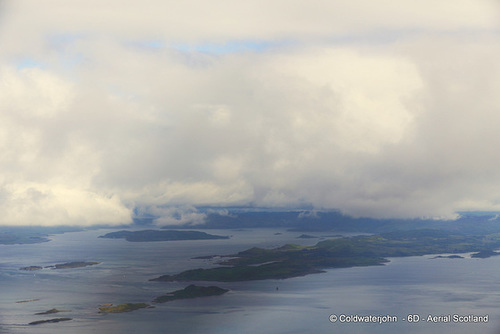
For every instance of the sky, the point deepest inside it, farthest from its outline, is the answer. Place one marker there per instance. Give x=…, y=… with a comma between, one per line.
x=384, y=109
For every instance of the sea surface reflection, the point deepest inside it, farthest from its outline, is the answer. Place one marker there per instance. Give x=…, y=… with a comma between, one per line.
x=414, y=285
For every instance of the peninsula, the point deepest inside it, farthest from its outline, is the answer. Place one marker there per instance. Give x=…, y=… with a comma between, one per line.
x=293, y=260
x=191, y=291
x=161, y=235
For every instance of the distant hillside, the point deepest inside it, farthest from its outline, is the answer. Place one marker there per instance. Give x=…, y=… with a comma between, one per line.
x=316, y=221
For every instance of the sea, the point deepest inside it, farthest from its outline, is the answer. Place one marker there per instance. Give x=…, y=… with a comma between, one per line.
x=405, y=295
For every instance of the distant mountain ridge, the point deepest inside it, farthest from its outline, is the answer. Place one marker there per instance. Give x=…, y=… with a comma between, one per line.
x=321, y=221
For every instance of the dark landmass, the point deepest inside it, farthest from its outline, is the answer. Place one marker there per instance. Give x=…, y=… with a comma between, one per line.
x=10, y=238
x=241, y=273
x=51, y=311
x=31, y=268
x=13, y=235
x=68, y=265
x=129, y=307
x=160, y=235
x=39, y=322
x=309, y=220
x=28, y=301
x=448, y=257
x=71, y=265
x=191, y=291
x=207, y=257
x=293, y=260
x=485, y=254
x=306, y=236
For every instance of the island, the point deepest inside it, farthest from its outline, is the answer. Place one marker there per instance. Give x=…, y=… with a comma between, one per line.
x=11, y=238
x=39, y=322
x=294, y=260
x=306, y=236
x=71, y=265
x=18, y=235
x=448, y=257
x=161, y=235
x=129, y=307
x=68, y=265
x=51, y=311
x=191, y=291
x=485, y=254
x=31, y=268
x=28, y=301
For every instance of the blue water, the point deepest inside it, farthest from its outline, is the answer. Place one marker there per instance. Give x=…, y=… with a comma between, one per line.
x=412, y=285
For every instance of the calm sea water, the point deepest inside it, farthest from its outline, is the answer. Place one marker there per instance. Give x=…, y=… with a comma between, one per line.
x=412, y=285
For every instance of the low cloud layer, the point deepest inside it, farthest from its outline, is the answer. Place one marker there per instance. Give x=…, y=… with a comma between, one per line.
x=386, y=111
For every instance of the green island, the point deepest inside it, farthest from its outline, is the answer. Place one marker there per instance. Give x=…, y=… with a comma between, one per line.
x=39, y=322
x=293, y=260
x=128, y=307
x=161, y=235
x=448, y=257
x=191, y=291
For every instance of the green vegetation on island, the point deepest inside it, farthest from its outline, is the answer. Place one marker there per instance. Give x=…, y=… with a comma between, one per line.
x=292, y=260
x=129, y=307
x=191, y=291
x=39, y=322
x=161, y=235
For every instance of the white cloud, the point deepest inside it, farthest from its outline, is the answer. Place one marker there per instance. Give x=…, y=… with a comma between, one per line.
x=176, y=215
x=49, y=204
x=380, y=110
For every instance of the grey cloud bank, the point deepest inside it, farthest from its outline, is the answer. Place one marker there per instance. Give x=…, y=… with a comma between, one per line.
x=100, y=113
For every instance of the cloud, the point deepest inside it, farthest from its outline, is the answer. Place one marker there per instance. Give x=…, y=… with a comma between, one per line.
x=42, y=204
x=384, y=111
x=179, y=215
